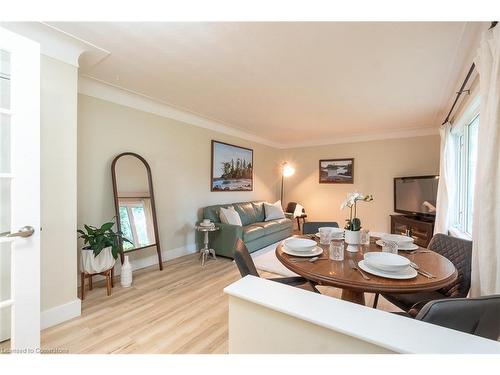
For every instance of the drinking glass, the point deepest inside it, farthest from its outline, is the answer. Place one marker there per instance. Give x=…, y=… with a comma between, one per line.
x=364, y=237
x=337, y=250
x=390, y=247
x=324, y=236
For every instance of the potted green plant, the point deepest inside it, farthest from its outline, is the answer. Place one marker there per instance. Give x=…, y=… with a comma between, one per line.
x=101, y=247
x=353, y=224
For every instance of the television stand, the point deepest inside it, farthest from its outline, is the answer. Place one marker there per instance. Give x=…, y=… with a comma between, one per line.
x=420, y=229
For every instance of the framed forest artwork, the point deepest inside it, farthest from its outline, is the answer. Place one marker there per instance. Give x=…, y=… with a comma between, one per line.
x=232, y=167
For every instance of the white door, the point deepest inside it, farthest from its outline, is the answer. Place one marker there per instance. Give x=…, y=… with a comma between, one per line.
x=19, y=192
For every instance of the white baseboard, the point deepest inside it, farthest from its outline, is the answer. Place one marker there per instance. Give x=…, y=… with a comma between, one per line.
x=152, y=260
x=70, y=310
x=61, y=313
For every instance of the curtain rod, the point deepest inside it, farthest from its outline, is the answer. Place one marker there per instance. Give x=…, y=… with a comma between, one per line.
x=462, y=88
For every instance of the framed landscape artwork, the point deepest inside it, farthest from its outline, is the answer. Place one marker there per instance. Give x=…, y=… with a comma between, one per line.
x=336, y=171
x=232, y=167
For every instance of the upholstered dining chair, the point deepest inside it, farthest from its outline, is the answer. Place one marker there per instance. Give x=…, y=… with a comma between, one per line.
x=459, y=252
x=246, y=266
x=312, y=227
x=290, y=210
x=477, y=316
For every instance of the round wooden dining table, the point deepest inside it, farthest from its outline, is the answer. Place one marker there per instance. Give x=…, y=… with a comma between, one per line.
x=339, y=273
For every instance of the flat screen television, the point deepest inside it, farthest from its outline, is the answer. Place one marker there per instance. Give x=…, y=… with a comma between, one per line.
x=416, y=195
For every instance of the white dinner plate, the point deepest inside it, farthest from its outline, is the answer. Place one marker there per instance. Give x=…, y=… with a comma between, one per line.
x=408, y=273
x=316, y=251
x=409, y=248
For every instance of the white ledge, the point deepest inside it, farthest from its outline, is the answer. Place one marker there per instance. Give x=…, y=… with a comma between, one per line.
x=390, y=331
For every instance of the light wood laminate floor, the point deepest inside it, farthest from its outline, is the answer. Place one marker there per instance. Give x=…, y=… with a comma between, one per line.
x=181, y=309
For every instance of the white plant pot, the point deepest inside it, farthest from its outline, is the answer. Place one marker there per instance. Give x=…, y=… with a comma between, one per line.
x=126, y=273
x=103, y=262
x=352, y=239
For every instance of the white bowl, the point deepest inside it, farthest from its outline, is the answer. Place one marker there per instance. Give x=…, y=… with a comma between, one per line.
x=403, y=241
x=386, y=261
x=333, y=230
x=300, y=244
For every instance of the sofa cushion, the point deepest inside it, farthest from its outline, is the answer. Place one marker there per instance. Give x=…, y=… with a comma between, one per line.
x=273, y=211
x=246, y=212
x=275, y=225
x=260, y=214
x=252, y=232
x=211, y=213
x=229, y=216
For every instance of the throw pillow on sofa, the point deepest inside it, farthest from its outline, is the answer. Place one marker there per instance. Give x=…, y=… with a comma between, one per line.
x=229, y=216
x=274, y=211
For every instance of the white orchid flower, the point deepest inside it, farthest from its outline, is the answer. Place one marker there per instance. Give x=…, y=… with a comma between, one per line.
x=348, y=202
x=352, y=198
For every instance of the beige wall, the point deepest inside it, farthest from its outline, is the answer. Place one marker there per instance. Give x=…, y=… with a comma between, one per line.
x=255, y=329
x=179, y=156
x=58, y=182
x=376, y=163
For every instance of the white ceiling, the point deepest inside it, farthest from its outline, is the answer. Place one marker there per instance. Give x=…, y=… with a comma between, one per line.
x=290, y=82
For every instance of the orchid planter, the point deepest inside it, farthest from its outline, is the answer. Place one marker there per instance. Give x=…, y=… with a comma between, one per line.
x=352, y=229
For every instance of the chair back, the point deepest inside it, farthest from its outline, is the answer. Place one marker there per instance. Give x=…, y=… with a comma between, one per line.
x=477, y=316
x=243, y=260
x=290, y=207
x=312, y=227
x=459, y=252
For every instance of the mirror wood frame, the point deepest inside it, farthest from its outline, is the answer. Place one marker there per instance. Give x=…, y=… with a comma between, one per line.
x=153, y=206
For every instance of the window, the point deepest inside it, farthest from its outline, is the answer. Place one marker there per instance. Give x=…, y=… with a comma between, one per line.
x=466, y=137
x=136, y=223
x=472, y=131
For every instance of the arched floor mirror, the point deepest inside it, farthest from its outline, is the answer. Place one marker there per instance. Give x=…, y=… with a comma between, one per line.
x=135, y=204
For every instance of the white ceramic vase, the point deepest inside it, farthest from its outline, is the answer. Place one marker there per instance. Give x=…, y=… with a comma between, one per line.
x=126, y=273
x=103, y=262
x=352, y=239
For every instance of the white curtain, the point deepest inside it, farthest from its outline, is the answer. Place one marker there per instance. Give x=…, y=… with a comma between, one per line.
x=446, y=186
x=486, y=215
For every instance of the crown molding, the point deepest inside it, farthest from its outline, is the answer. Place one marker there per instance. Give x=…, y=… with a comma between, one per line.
x=59, y=44
x=368, y=137
x=103, y=90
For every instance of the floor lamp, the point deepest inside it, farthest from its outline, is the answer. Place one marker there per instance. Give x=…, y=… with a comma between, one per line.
x=286, y=171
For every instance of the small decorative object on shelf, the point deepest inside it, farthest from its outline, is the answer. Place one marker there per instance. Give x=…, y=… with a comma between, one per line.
x=353, y=224
x=126, y=274
x=207, y=223
x=206, y=226
x=99, y=254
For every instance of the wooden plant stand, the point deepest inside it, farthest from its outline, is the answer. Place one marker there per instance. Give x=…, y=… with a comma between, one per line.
x=109, y=274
